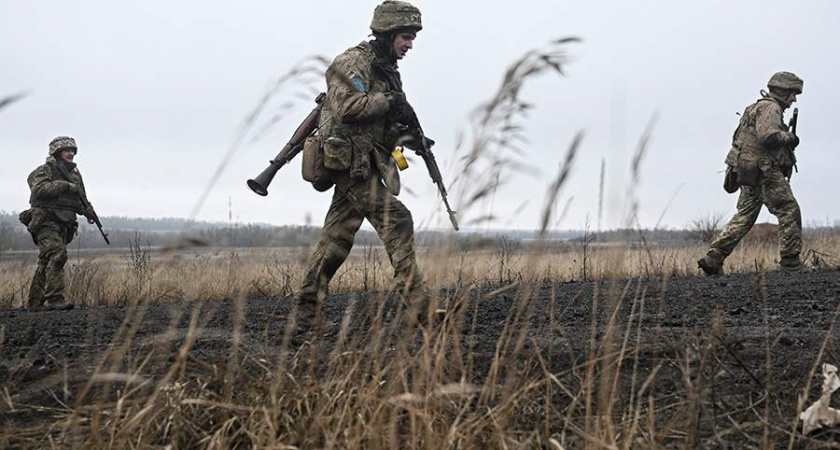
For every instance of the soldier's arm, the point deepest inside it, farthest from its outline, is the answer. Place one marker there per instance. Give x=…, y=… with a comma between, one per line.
x=770, y=128
x=44, y=187
x=348, y=88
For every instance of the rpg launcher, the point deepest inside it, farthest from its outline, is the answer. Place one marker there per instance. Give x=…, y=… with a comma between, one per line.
x=260, y=184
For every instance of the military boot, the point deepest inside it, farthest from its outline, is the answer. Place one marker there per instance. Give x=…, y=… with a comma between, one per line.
x=306, y=314
x=711, y=264
x=424, y=312
x=54, y=305
x=792, y=264
x=58, y=305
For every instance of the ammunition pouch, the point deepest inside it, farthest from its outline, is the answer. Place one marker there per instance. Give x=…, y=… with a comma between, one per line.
x=312, y=166
x=360, y=168
x=788, y=162
x=338, y=153
x=748, y=172
x=25, y=217
x=70, y=230
x=730, y=180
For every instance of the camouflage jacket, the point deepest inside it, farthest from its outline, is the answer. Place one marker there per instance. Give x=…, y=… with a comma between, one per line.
x=762, y=134
x=356, y=116
x=50, y=191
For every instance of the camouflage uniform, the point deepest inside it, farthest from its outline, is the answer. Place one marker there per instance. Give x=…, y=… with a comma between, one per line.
x=762, y=140
x=52, y=223
x=357, y=130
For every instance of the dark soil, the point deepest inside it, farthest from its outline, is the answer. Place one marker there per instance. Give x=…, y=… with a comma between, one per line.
x=46, y=358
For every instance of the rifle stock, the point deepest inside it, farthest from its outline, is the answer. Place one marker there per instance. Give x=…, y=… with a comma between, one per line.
x=260, y=184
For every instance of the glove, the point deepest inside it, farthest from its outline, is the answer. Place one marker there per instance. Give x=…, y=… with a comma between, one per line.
x=793, y=140
x=400, y=110
x=67, y=186
x=397, y=101
x=89, y=214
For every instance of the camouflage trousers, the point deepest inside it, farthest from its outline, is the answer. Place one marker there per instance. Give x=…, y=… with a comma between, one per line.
x=773, y=191
x=352, y=203
x=48, y=283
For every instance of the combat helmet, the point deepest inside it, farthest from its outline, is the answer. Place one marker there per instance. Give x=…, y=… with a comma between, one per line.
x=392, y=15
x=62, y=142
x=786, y=81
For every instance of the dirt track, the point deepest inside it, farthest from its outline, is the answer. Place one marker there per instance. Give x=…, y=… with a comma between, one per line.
x=46, y=357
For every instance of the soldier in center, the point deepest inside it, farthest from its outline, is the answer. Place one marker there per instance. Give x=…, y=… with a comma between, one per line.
x=358, y=127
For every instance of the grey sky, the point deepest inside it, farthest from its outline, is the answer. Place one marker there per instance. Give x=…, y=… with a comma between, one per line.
x=154, y=92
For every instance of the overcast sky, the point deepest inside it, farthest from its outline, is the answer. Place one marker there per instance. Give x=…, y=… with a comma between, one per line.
x=155, y=92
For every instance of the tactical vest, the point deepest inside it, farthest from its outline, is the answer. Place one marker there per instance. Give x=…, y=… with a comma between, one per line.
x=745, y=138
x=65, y=201
x=376, y=131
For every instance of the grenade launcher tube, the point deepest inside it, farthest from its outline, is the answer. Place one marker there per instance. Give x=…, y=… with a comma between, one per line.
x=260, y=184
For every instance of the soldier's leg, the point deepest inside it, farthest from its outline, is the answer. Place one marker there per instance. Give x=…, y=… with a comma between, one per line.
x=54, y=279
x=333, y=247
x=749, y=206
x=778, y=196
x=394, y=224
x=48, y=282
x=36, y=287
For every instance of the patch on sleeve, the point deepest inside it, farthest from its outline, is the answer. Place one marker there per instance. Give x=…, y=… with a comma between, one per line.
x=356, y=81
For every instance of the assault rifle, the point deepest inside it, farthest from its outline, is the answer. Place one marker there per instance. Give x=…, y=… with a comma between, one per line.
x=260, y=184
x=792, y=125
x=90, y=213
x=424, y=144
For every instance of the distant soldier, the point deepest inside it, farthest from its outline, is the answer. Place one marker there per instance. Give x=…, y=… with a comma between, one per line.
x=51, y=220
x=762, y=160
x=362, y=111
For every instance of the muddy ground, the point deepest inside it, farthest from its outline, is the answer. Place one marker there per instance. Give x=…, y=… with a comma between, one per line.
x=47, y=357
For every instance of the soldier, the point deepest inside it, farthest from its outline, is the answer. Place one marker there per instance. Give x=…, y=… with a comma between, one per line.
x=762, y=157
x=51, y=221
x=362, y=110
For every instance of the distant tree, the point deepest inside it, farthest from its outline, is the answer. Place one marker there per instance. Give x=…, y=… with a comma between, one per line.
x=706, y=227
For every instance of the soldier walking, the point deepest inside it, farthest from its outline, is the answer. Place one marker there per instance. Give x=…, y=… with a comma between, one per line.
x=55, y=201
x=363, y=108
x=762, y=160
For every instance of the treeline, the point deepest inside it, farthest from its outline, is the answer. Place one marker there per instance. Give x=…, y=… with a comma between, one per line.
x=124, y=232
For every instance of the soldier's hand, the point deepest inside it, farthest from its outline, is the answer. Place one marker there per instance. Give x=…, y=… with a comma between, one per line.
x=397, y=101
x=794, y=141
x=67, y=186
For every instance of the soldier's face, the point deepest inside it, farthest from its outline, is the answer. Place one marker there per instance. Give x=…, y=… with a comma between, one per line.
x=791, y=98
x=67, y=154
x=403, y=42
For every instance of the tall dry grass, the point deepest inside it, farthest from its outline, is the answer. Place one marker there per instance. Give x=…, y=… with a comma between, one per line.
x=388, y=388
x=219, y=274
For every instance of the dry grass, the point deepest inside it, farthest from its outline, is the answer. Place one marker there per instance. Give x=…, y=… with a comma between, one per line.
x=270, y=273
